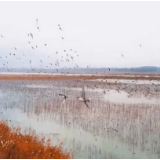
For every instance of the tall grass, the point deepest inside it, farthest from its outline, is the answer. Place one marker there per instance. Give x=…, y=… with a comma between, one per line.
x=15, y=145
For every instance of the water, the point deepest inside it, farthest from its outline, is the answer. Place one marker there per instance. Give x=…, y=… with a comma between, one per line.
x=116, y=127
x=124, y=97
x=110, y=95
x=126, y=81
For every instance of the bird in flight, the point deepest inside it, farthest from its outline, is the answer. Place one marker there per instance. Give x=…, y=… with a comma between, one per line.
x=83, y=98
x=37, y=21
x=140, y=45
x=122, y=55
x=64, y=96
x=2, y=36
x=31, y=35
x=60, y=29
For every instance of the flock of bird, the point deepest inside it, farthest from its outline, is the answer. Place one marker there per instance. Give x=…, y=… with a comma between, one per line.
x=67, y=58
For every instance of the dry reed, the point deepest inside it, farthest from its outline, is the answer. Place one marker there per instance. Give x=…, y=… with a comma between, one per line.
x=15, y=145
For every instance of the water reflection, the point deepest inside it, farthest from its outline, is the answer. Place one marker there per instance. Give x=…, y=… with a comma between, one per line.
x=124, y=97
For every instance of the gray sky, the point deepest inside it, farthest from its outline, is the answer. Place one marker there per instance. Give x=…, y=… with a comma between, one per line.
x=98, y=31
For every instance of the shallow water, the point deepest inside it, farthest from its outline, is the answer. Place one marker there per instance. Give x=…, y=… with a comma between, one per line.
x=110, y=95
x=126, y=81
x=75, y=139
x=102, y=132
x=123, y=97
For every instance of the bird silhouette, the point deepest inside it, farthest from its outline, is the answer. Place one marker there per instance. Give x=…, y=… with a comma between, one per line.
x=31, y=35
x=64, y=96
x=60, y=29
x=83, y=98
x=122, y=55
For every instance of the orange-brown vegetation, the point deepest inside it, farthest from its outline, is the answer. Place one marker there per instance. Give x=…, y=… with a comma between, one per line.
x=136, y=76
x=15, y=145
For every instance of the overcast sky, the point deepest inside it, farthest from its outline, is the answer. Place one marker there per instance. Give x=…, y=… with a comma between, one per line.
x=98, y=31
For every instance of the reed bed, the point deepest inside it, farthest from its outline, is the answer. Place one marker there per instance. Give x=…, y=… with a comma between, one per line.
x=109, y=126
x=15, y=145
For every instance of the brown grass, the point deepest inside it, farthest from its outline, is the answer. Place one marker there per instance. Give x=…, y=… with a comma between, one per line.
x=67, y=77
x=15, y=145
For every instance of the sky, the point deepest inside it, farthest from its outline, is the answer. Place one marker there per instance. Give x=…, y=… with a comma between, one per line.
x=98, y=32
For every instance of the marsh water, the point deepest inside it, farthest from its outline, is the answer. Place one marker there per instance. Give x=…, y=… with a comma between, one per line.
x=123, y=121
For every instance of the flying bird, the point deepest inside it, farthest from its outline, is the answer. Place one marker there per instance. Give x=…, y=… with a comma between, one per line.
x=64, y=96
x=122, y=55
x=83, y=98
x=60, y=29
x=31, y=35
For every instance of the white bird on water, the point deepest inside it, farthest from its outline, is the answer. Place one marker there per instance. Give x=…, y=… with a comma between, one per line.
x=83, y=98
